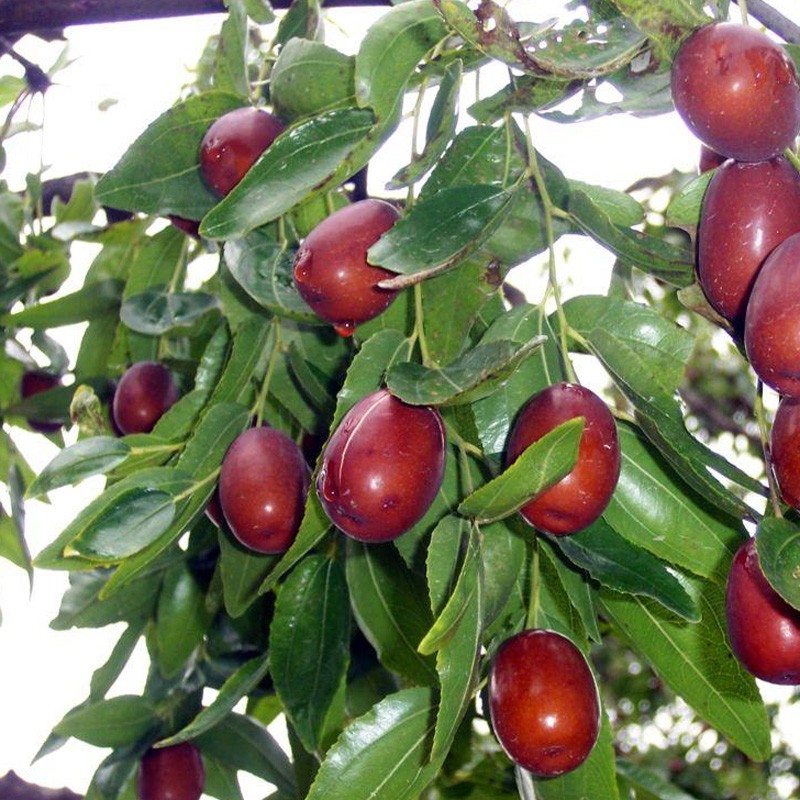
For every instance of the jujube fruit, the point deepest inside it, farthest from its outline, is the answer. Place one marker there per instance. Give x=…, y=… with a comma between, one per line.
x=34, y=382
x=772, y=321
x=764, y=630
x=785, y=450
x=748, y=210
x=331, y=271
x=581, y=496
x=709, y=159
x=544, y=703
x=233, y=143
x=262, y=489
x=175, y=772
x=737, y=91
x=382, y=467
x=144, y=393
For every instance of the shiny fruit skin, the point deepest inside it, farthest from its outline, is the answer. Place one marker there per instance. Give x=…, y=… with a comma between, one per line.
x=772, y=321
x=36, y=381
x=748, y=210
x=737, y=91
x=544, y=703
x=785, y=450
x=171, y=773
x=262, y=489
x=580, y=497
x=764, y=630
x=144, y=393
x=382, y=467
x=709, y=159
x=233, y=143
x=331, y=272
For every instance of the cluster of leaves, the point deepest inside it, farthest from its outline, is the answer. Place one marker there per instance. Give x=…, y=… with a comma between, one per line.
x=377, y=655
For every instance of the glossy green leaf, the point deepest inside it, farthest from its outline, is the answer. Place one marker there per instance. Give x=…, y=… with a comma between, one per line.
x=695, y=661
x=302, y=20
x=471, y=376
x=160, y=171
x=250, y=342
x=110, y=723
x=383, y=753
x=243, y=571
x=264, y=270
x=230, y=57
x=300, y=161
x=684, y=208
x=617, y=564
x=156, y=312
x=504, y=552
x=389, y=604
x=539, y=466
x=778, y=547
x=115, y=772
x=309, y=645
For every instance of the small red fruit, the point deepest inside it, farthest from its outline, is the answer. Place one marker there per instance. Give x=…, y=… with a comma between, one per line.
x=331, y=272
x=579, y=498
x=233, y=143
x=748, y=210
x=144, y=392
x=544, y=703
x=785, y=449
x=764, y=629
x=709, y=159
x=262, y=489
x=36, y=381
x=382, y=467
x=171, y=773
x=737, y=91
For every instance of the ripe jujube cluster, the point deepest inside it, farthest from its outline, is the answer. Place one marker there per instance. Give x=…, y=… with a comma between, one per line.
x=739, y=93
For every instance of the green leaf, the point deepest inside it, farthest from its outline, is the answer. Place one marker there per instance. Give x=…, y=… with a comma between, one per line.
x=383, y=753
x=617, y=564
x=158, y=311
x=109, y=723
x=539, y=466
x=665, y=23
x=221, y=781
x=12, y=542
x=659, y=257
x=778, y=548
x=94, y=456
x=239, y=685
x=684, y=208
x=645, y=780
x=504, y=552
x=298, y=163
x=526, y=94
x=250, y=342
x=388, y=603
x=160, y=172
x=263, y=268
x=695, y=661
x=309, y=645
x=302, y=20
x=230, y=57
x=471, y=376
x=619, y=207
x=243, y=572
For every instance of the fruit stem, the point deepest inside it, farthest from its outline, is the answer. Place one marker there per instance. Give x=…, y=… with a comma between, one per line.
x=743, y=11
x=532, y=619
x=419, y=327
x=535, y=172
x=758, y=408
x=793, y=157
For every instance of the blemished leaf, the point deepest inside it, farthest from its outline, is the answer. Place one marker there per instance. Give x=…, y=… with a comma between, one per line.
x=385, y=751
x=160, y=171
x=695, y=661
x=540, y=465
x=156, y=312
x=526, y=93
x=470, y=377
x=303, y=20
x=309, y=645
x=778, y=548
x=665, y=23
x=389, y=605
x=114, y=722
x=239, y=685
x=298, y=163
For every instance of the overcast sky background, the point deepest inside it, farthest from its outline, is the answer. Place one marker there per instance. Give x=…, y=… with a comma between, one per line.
x=142, y=67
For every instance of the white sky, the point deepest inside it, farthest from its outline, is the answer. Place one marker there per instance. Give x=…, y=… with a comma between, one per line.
x=143, y=66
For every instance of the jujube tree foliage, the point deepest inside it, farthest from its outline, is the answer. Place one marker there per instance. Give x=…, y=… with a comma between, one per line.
x=352, y=477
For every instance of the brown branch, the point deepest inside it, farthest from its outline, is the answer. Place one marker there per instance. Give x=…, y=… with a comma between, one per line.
x=12, y=787
x=47, y=17
x=773, y=19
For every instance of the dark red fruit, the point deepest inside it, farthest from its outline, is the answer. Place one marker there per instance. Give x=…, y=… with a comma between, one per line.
x=709, y=159
x=772, y=322
x=171, y=773
x=214, y=509
x=262, y=489
x=785, y=450
x=748, y=210
x=233, y=143
x=579, y=498
x=331, y=270
x=764, y=629
x=737, y=91
x=382, y=467
x=144, y=392
x=544, y=703
x=36, y=381
x=191, y=227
